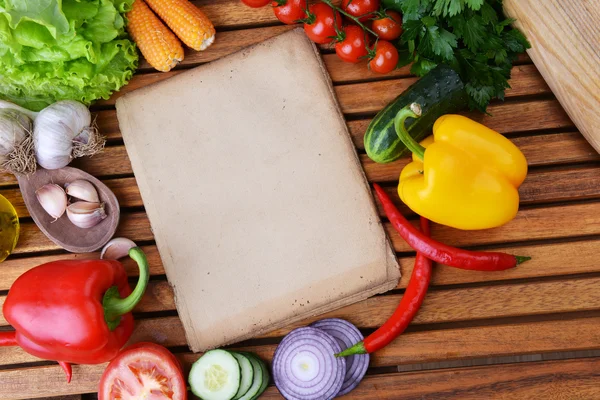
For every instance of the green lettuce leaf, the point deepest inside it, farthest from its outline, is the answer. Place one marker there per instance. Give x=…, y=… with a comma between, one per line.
x=52, y=50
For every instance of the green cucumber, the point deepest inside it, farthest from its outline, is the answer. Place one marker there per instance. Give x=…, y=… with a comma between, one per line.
x=247, y=376
x=439, y=92
x=215, y=376
x=260, y=379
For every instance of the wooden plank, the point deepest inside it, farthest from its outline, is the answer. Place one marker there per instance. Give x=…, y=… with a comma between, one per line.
x=540, y=150
x=550, y=380
x=539, y=187
x=12, y=268
x=226, y=43
x=555, y=222
x=233, y=13
x=132, y=225
x=366, y=97
x=467, y=304
x=410, y=348
x=547, y=260
x=556, y=379
x=530, y=224
x=112, y=161
x=441, y=306
x=533, y=116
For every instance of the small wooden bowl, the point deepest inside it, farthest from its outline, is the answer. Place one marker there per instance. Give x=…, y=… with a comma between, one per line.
x=62, y=231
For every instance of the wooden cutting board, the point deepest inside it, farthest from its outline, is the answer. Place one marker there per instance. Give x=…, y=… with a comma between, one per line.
x=565, y=47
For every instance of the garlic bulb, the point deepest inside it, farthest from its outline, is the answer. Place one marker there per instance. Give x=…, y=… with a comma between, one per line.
x=63, y=131
x=82, y=190
x=8, y=105
x=86, y=215
x=53, y=200
x=116, y=248
x=16, y=145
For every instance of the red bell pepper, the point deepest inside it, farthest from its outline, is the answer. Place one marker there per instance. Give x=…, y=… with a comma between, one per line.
x=74, y=311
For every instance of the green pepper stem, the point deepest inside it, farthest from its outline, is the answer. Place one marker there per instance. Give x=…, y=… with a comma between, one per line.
x=522, y=259
x=412, y=110
x=358, y=348
x=114, y=305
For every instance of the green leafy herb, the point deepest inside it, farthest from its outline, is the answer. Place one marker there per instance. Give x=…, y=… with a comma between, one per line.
x=472, y=36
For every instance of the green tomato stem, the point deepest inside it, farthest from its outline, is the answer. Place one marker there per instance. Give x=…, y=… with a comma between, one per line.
x=352, y=17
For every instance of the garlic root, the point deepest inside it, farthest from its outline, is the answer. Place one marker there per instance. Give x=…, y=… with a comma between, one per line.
x=16, y=143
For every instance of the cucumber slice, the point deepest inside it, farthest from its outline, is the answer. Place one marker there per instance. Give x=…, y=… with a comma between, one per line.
x=258, y=385
x=215, y=376
x=247, y=374
x=265, y=378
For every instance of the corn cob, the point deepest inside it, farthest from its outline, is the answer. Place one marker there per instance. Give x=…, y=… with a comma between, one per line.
x=190, y=24
x=158, y=44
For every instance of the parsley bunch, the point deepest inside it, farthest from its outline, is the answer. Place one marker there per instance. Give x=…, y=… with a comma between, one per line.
x=472, y=36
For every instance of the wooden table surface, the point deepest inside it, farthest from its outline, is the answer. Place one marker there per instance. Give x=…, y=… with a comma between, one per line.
x=531, y=332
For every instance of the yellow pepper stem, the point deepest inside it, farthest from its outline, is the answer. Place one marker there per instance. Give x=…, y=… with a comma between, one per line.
x=412, y=110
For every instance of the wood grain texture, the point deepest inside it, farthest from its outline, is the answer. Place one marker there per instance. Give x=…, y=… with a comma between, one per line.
x=543, y=303
x=532, y=116
x=443, y=306
x=363, y=97
x=411, y=348
x=540, y=186
x=565, y=40
x=547, y=260
x=572, y=220
x=552, y=380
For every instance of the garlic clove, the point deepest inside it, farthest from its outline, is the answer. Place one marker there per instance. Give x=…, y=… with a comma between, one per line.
x=82, y=190
x=86, y=215
x=116, y=248
x=53, y=199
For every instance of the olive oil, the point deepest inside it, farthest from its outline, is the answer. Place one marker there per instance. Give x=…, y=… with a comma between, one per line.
x=9, y=228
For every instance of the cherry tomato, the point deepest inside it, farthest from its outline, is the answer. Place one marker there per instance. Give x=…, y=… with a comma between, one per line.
x=386, y=58
x=361, y=8
x=390, y=27
x=144, y=370
x=322, y=29
x=256, y=3
x=289, y=11
x=353, y=47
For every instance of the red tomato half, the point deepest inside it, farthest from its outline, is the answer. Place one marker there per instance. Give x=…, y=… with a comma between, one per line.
x=323, y=22
x=364, y=9
x=143, y=371
x=256, y=3
x=290, y=11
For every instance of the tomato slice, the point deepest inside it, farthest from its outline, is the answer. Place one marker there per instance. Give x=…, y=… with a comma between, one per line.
x=143, y=371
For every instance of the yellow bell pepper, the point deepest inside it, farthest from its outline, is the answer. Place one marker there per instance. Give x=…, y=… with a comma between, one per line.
x=465, y=176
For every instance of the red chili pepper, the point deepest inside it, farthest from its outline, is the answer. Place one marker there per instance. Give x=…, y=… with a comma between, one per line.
x=74, y=311
x=406, y=311
x=442, y=253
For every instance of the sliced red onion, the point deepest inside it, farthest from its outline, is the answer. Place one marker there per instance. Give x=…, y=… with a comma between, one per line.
x=305, y=366
x=346, y=334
